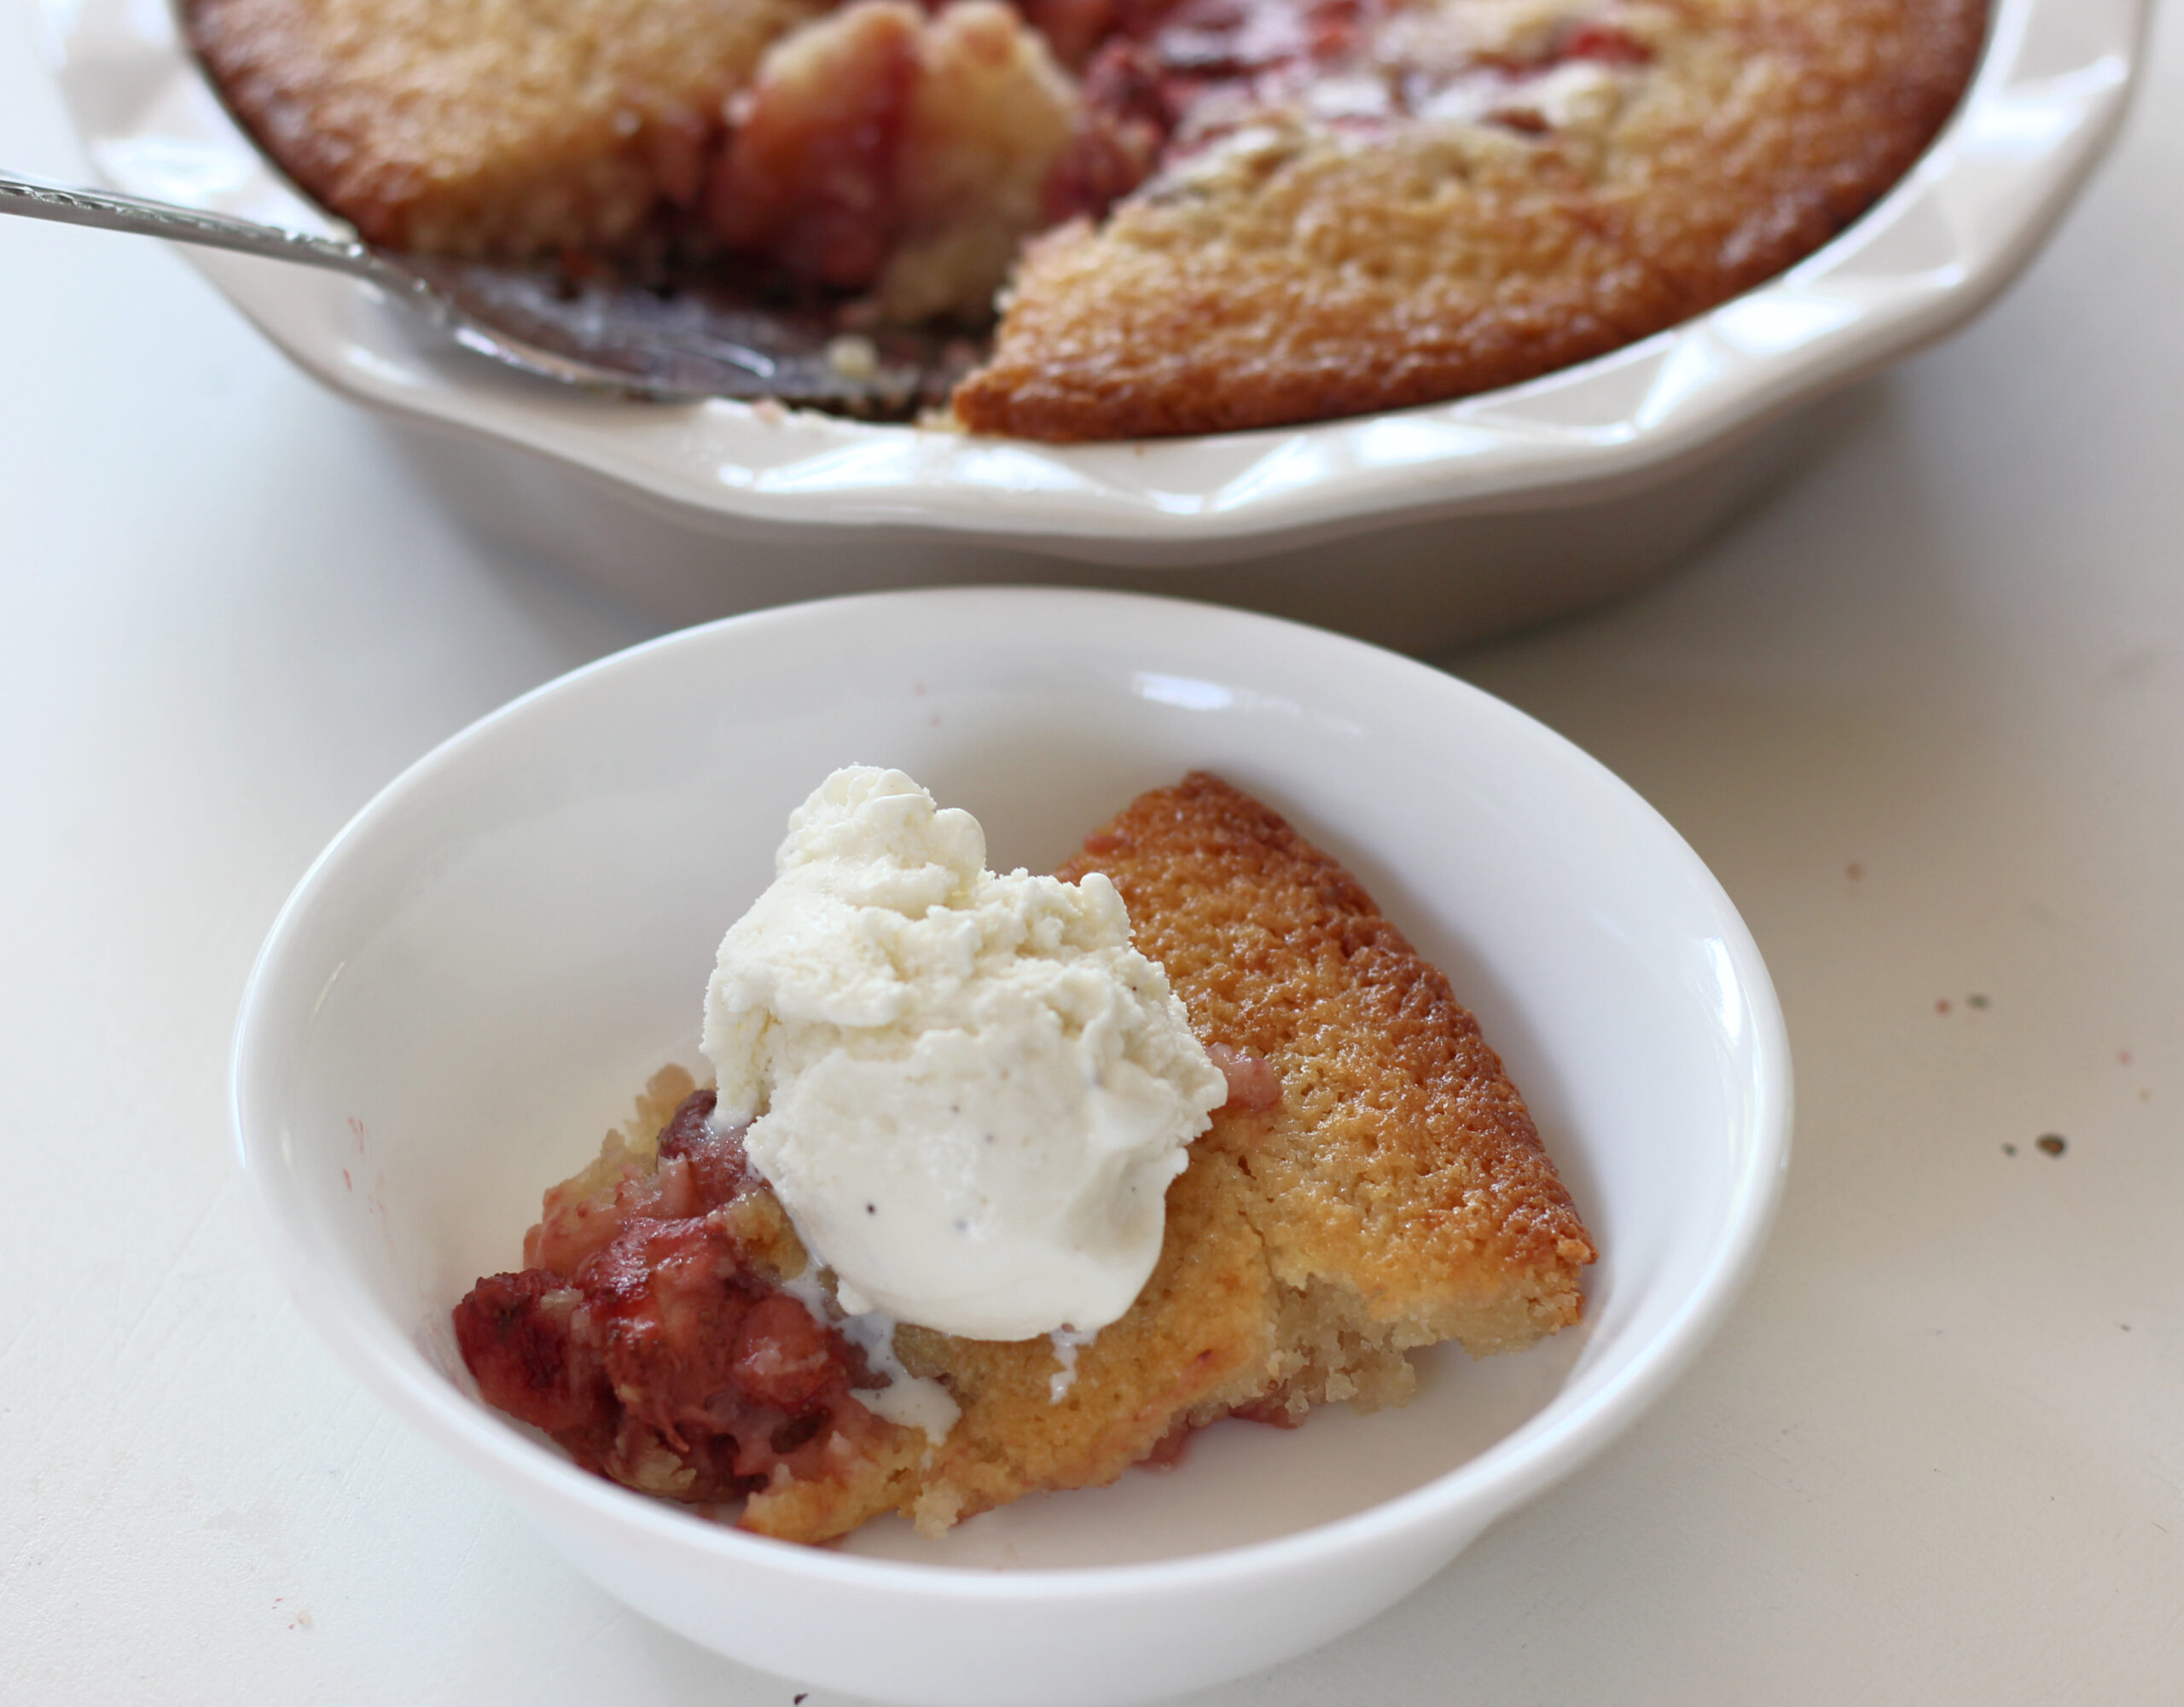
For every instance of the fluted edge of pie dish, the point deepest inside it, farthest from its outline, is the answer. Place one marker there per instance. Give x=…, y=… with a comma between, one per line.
x=2048, y=98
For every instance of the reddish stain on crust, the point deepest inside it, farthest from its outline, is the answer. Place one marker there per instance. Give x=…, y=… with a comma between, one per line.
x=1254, y=1087
x=1605, y=44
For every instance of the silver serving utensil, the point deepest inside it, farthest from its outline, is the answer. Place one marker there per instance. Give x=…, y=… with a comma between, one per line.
x=703, y=341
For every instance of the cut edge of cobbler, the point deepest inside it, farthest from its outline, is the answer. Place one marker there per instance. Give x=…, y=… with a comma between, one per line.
x=897, y=157
x=909, y=155
x=669, y=1332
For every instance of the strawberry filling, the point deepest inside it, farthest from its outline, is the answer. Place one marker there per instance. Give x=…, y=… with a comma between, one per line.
x=654, y=1345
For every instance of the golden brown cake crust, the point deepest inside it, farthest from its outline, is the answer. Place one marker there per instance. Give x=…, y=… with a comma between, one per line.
x=488, y=126
x=1195, y=1346
x=1397, y=1194
x=1402, y=1165
x=1316, y=276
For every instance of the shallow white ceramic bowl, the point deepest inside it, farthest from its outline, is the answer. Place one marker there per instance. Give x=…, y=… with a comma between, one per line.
x=477, y=976
x=1462, y=517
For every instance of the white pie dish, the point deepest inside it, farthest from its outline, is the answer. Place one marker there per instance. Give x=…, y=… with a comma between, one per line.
x=475, y=978
x=1458, y=518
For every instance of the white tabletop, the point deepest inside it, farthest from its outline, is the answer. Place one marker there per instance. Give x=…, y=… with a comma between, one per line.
x=1924, y=715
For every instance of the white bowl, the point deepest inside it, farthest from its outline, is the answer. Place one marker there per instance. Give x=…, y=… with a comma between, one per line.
x=475, y=978
x=1463, y=518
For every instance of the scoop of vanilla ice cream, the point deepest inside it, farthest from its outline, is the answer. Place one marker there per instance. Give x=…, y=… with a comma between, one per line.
x=968, y=1090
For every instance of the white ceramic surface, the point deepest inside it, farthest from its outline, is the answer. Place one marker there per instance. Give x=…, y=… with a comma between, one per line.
x=1497, y=510
x=476, y=976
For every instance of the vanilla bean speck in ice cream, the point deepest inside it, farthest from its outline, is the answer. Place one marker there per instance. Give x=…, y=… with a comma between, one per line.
x=969, y=1090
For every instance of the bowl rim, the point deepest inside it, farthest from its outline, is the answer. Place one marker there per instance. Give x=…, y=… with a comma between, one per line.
x=1541, y=1451
x=1987, y=191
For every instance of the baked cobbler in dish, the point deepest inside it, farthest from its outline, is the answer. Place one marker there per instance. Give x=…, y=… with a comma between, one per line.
x=1193, y=215
x=1372, y=1185
x=1254, y=211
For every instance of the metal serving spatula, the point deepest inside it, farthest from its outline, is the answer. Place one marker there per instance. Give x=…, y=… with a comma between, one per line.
x=701, y=341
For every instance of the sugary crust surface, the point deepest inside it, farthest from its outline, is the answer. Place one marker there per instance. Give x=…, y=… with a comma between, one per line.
x=1317, y=273
x=488, y=126
x=1401, y=1167
x=1397, y=1194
